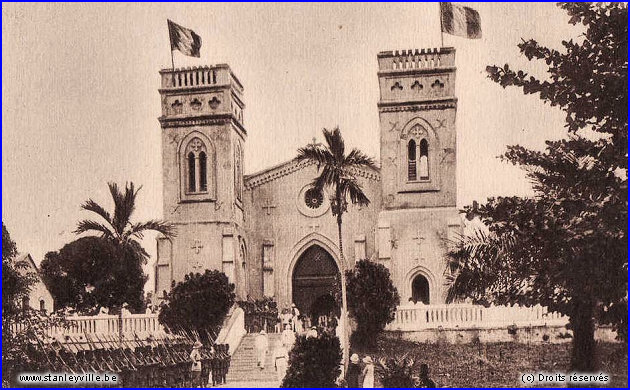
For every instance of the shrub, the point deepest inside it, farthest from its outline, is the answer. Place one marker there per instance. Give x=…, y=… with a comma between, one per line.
x=314, y=362
x=199, y=303
x=396, y=372
x=372, y=299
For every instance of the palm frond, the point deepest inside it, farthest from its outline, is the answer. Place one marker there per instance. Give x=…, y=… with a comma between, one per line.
x=350, y=187
x=327, y=178
x=87, y=225
x=138, y=229
x=313, y=153
x=358, y=159
x=94, y=207
x=124, y=205
x=335, y=143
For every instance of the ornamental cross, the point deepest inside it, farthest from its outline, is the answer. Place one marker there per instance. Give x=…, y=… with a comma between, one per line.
x=197, y=246
x=267, y=207
x=418, y=238
x=197, y=265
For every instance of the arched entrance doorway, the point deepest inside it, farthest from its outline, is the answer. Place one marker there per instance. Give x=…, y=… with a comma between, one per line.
x=314, y=280
x=420, y=289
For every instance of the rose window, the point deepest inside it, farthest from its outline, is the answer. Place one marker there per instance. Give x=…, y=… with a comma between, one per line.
x=313, y=198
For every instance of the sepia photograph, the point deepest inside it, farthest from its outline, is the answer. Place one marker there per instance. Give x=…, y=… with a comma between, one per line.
x=315, y=195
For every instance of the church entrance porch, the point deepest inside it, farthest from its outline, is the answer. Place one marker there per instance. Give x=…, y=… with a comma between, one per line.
x=314, y=282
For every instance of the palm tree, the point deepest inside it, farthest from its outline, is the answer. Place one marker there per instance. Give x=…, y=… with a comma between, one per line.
x=119, y=228
x=338, y=170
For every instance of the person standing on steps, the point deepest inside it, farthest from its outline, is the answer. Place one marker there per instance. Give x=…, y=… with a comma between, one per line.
x=288, y=337
x=281, y=361
x=295, y=313
x=262, y=347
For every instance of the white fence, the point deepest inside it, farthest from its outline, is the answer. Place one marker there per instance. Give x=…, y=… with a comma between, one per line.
x=462, y=316
x=77, y=326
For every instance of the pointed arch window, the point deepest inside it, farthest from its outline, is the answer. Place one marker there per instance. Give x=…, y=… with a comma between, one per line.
x=192, y=182
x=411, y=161
x=423, y=166
x=196, y=166
x=203, y=171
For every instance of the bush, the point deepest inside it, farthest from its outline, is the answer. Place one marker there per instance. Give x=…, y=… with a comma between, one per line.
x=396, y=372
x=372, y=299
x=91, y=272
x=314, y=362
x=199, y=304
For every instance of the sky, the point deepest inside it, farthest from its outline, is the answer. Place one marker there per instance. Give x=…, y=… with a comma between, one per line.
x=80, y=95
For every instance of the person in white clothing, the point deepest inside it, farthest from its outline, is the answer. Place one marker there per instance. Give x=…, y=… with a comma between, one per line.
x=288, y=337
x=262, y=347
x=368, y=373
x=281, y=361
x=295, y=318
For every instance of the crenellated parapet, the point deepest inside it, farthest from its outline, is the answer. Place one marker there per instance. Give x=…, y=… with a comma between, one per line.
x=200, y=93
x=411, y=79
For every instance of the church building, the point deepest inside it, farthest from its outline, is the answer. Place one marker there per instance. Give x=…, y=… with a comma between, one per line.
x=270, y=231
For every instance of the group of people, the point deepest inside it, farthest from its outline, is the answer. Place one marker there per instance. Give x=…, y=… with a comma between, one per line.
x=359, y=375
x=280, y=353
x=138, y=363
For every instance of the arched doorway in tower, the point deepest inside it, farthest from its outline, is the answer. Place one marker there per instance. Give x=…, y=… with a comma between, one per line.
x=314, y=280
x=420, y=289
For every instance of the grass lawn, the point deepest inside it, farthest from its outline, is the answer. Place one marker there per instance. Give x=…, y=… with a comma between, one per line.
x=498, y=364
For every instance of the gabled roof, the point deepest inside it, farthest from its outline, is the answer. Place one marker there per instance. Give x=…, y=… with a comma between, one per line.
x=288, y=167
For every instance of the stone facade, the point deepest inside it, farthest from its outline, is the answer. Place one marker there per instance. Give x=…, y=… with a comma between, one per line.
x=257, y=228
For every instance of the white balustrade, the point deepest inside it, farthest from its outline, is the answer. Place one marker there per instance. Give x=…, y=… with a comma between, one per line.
x=140, y=324
x=462, y=316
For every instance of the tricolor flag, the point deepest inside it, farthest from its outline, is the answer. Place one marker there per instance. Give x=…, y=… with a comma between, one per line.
x=184, y=39
x=459, y=20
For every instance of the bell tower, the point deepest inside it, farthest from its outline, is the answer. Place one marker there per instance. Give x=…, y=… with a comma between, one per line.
x=203, y=135
x=417, y=109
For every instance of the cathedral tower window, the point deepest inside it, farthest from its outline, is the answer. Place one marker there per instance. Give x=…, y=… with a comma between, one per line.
x=411, y=161
x=192, y=185
x=424, y=160
x=197, y=168
x=203, y=164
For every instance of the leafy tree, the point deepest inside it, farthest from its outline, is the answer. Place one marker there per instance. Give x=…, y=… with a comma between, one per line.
x=15, y=281
x=124, y=235
x=92, y=272
x=199, y=304
x=32, y=324
x=372, y=299
x=314, y=362
x=566, y=247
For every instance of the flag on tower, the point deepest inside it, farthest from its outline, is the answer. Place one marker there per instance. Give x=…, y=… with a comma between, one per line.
x=459, y=20
x=184, y=39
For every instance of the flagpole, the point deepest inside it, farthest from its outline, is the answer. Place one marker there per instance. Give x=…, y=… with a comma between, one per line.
x=441, y=25
x=170, y=42
x=173, y=65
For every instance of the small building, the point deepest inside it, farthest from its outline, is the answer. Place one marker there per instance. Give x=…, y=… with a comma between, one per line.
x=39, y=297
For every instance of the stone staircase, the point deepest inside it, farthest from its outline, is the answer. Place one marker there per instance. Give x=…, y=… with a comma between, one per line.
x=243, y=370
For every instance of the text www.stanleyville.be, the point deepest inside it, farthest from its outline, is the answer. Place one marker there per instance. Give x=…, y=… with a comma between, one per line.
x=67, y=378
x=574, y=378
